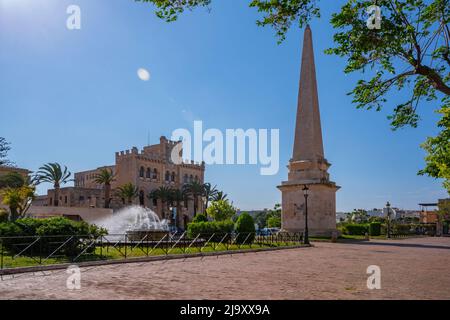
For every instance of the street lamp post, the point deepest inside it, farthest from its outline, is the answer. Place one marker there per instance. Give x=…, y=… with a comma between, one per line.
x=388, y=212
x=305, y=194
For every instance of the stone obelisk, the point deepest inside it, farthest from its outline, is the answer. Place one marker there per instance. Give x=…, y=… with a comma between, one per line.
x=308, y=165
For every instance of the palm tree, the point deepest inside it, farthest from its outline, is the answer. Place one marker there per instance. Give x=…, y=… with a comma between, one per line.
x=127, y=192
x=209, y=193
x=105, y=177
x=165, y=194
x=220, y=195
x=195, y=189
x=53, y=173
x=179, y=196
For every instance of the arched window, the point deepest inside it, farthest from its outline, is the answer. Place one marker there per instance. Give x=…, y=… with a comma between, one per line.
x=167, y=176
x=141, y=172
x=155, y=174
x=172, y=177
x=148, y=175
x=155, y=202
x=185, y=178
x=196, y=178
x=191, y=178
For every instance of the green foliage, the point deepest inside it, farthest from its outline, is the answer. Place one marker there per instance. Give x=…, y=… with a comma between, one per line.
x=375, y=228
x=54, y=232
x=274, y=222
x=128, y=192
x=221, y=210
x=169, y=10
x=206, y=229
x=3, y=215
x=18, y=200
x=200, y=218
x=281, y=14
x=438, y=149
x=355, y=229
x=12, y=180
x=245, y=226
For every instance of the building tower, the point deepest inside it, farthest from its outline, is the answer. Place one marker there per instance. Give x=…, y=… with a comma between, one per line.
x=308, y=165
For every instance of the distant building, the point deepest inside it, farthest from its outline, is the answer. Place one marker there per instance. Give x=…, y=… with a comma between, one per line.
x=148, y=169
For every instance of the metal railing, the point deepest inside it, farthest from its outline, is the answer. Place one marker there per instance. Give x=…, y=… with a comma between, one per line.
x=28, y=251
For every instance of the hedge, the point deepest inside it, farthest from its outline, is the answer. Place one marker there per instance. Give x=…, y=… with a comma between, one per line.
x=207, y=229
x=355, y=229
x=375, y=228
x=54, y=231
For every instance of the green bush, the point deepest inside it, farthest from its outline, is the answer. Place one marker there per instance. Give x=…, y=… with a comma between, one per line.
x=245, y=226
x=206, y=229
x=3, y=215
x=54, y=232
x=375, y=228
x=200, y=218
x=355, y=229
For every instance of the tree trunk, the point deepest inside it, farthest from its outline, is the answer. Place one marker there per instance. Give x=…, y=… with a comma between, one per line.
x=56, y=200
x=107, y=195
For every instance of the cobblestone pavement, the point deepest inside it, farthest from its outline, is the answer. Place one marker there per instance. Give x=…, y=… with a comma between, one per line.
x=410, y=269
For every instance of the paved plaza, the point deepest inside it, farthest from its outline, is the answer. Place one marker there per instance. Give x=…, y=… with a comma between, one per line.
x=410, y=269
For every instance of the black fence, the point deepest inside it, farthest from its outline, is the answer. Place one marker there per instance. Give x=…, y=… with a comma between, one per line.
x=44, y=250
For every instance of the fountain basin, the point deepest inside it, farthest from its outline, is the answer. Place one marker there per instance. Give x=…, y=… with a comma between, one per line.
x=149, y=235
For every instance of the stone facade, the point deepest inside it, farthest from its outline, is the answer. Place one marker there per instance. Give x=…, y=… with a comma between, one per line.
x=308, y=166
x=147, y=169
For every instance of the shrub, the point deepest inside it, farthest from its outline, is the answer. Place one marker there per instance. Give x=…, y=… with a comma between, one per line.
x=206, y=229
x=245, y=226
x=375, y=228
x=355, y=229
x=3, y=215
x=54, y=232
x=200, y=218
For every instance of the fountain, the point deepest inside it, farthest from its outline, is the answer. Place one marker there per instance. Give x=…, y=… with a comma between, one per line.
x=137, y=222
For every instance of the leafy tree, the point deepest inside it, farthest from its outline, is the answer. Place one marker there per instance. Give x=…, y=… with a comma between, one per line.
x=274, y=222
x=438, y=148
x=409, y=53
x=105, y=177
x=12, y=180
x=127, y=192
x=4, y=149
x=221, y=210
x=55, y=174
x=18, y=200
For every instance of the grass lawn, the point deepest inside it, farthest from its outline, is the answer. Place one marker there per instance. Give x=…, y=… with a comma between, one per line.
x=127, y=252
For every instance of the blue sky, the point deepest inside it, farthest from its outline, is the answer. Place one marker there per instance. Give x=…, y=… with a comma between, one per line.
x=74, y=96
